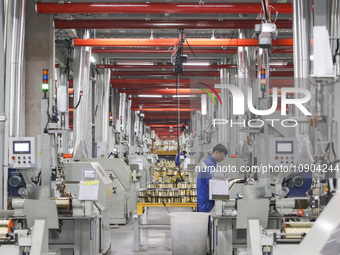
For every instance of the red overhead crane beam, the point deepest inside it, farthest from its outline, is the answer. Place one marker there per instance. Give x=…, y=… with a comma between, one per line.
x=167, y=109
x=163, y=91
x=164, y=66
x=164, y=24
x=161, y=66
x=186, y=51
x=165, y=118
x=150, y=8
x=164, y=73
x=193, y=42
x=164, y=126
x=149, y=81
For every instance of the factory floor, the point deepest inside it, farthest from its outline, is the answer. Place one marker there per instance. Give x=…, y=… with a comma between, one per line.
x=153, y=241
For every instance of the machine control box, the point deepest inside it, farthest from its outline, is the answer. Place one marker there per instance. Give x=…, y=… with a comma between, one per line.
x=282, y=151
x=21, y=153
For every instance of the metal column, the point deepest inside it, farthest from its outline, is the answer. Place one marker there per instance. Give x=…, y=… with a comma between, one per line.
x=81, y=92
x=105, y=106
x=2, y=105
x=302, y=11
x=14, y=64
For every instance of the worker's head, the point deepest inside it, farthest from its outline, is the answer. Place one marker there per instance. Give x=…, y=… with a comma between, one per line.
x=184, y=152
x=219, y=152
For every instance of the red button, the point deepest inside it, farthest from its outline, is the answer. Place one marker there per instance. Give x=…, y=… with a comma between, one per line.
x=13, y=157
x=276, y=157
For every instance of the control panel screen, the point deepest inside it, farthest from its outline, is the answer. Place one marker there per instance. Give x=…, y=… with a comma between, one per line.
x=21, y=147
x=284, y=147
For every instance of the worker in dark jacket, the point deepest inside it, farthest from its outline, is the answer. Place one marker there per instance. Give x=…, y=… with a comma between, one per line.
x=203, y=202
x=177, y=160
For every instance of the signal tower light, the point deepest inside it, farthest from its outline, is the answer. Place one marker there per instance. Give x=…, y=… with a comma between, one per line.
x=45, y=85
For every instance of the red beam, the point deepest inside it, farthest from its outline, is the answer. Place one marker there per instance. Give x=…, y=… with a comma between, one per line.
x=186, y=51
x=164, y=24
x=282, y=73
x=167, y=105
x=149, y=81
x=194, y=42
x=164, y=126
x=187, y=8
x=164, y=66
x=161, y=66
x=149, y=86
x=167, y=109
x=147, y=100
x=154, y=118
x=163, y=91
x=164, y=73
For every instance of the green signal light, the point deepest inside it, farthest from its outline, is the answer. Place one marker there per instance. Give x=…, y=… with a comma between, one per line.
x=44, y=87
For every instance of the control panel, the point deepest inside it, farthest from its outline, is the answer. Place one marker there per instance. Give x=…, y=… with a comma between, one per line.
x=21, y=152
x=282, y=151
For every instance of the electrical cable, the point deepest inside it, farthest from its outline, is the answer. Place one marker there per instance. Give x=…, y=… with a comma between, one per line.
x=337, y=53
x=265, y=10
x=80, y=96
x=191, y=49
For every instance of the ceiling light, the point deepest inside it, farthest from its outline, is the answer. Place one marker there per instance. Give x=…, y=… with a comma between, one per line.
x=279, y=63
x=183, y=96
x=149, y=95
x=146, y=63
x=197, y=64
x=213, y=35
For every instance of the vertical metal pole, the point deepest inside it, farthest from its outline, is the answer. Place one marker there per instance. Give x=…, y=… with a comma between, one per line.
x=14, y=63
x=93, y=101
x=2, y=107
x=302, y=21
x=105, y=105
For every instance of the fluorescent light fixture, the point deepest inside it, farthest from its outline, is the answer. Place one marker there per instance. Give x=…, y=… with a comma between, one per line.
x=146, y=63
x=279, y=63
x=92, y=59
x=184, y=96
x=213, y=35
x=197, y=64
x=149, y=95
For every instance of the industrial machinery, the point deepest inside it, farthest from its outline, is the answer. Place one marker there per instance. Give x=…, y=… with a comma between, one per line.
x=124, y=197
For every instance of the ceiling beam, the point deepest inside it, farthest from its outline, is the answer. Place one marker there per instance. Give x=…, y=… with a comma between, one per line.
x=212, y=66
x=163, y=73
x=186, y=51
x=150, y=8
x=164, y=24
x=194, y=42
x=163, y=91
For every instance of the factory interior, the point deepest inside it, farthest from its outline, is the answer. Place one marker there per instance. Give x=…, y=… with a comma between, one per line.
x=176, y=127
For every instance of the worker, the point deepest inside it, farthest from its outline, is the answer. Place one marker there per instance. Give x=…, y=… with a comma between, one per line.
x=177, y=160
x=204, y=175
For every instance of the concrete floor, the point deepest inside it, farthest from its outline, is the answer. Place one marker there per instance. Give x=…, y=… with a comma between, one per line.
x=153, y=241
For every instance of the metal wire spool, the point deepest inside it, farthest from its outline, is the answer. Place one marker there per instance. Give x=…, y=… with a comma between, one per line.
x=151, y=192
x=183, y=185
x=5, y=228
x=151, y=185
x=63, y=203
x=193, y=199
x=193, y=192
x=297, y=228
x=143, y=199
x=143, y=192
x=193, y=185
x=182, y=192
x=185, y=199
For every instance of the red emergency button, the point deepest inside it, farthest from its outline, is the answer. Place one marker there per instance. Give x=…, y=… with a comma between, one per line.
x=13, y=157
x=276, y=157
